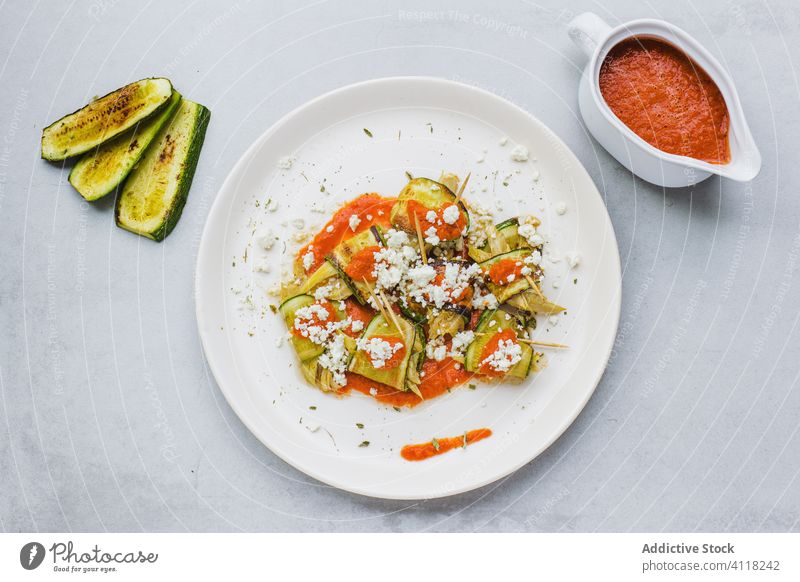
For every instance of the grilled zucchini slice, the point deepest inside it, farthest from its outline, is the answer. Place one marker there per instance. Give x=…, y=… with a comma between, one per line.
x=530, y=302
x=304, y=347
x=427, y=192
x=154, y=194
x=99, y=172
x=490, y=324
x=341, y=256
x=104, y=118
x=403, y=377
x=505, y=292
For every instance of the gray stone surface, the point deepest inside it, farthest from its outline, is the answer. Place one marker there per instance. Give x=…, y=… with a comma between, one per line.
x=110, y=419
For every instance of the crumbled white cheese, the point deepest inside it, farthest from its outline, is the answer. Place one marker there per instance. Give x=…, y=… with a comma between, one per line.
x=395, y=238
x=505, y=357
x=308, y=259
x=279, y=341
x=272, y=205
x=354, y=222
x=481, y=225
x=480, y=159
x=312, y=427
x=430, y=216
x=528, y=232
x=488, y=301
x=573, y=258
x=460, y=342
x=265, y=238
x=450, y=214
x=285, y=163
x=304, y=319
x=373, y=391
x=519, y=153
x=335, y=359
x=299, y=223
x=561, y=208
x=323, y=292
x=553, y=320
x=329, y=228
x=503, y=140
x=535, y=175
x=439, y=353
x=262, y=266
x=379, y=350
x=431, y=236
x=357, y=325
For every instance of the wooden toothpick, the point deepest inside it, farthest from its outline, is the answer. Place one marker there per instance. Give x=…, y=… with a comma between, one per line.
x=461, y=188
x=421, y=240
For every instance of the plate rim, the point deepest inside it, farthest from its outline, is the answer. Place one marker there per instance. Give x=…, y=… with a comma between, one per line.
x=216, y=208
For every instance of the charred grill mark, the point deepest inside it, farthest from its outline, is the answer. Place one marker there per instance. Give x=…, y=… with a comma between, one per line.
x=168, y=151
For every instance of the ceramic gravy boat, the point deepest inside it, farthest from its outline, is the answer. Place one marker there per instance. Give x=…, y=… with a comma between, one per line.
x=596, y=39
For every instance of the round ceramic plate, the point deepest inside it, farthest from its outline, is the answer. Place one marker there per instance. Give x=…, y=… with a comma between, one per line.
x=364, y=138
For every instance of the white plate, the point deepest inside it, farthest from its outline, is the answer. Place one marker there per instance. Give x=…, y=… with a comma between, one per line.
x=422, y=125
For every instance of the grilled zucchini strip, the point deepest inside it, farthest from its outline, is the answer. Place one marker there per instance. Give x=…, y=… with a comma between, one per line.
x=104, y=118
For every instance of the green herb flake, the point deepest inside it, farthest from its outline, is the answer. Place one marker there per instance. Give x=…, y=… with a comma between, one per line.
x=272, y=308
x=435, y=444
x=364, y=444
x=575, y=281
x=472, y=386
x=464, y=438
x=312, y=407
x=360, y=425
x=409, y=175
x=397, y=408
x=322, y=188
x=368, y=132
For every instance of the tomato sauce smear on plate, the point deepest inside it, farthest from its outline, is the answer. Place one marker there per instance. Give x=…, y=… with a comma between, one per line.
x=436, y=447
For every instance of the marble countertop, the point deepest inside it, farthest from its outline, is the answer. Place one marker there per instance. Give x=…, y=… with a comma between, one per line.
x=110, y=417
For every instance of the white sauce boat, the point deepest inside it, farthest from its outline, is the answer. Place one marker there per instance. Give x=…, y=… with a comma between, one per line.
x=596, y=39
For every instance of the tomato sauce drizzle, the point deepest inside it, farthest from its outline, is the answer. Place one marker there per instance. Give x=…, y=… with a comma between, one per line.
x=436, y=447
x=444, y=231
x=371, y=209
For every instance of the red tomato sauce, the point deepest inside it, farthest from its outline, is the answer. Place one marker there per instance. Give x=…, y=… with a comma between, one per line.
x=438, y=378
x=491, y=347
x=666, y=99
x=436, y=447
x=444, y=231
x=365, y=206
x=362, y=264
x=500, y=271
x=357, y=312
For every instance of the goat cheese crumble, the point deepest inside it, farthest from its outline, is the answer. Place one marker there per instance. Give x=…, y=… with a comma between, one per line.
x=505, y=357
x=519, y=153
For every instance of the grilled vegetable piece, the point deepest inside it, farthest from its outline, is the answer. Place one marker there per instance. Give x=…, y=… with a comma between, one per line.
x=343, y=254
x=154, y=194
x=504, y=292
x=327, y=275
x=104, y=118
x=531, y=302
x=403, y=377
x=100, y=171
x=447, y=321
x=490, y=324
x=304, y=347
x=427, y=192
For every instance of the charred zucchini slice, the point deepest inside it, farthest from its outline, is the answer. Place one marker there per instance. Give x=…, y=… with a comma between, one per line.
x=404, y=376
x=427, y=192
x=100, y=171
x=490, y=324
x=532, y=303
x=304, y=347
x=505, y=292
x=104, y=118
x=154, y=194
x=341, y=256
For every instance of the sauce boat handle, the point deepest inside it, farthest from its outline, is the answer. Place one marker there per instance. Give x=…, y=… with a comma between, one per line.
x=587, y=30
